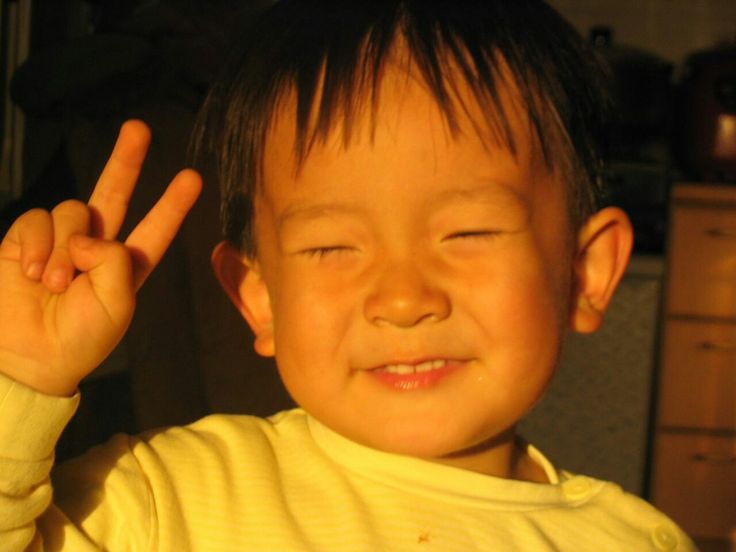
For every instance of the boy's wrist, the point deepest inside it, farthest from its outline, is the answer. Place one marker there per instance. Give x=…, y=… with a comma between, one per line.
x=41, y=379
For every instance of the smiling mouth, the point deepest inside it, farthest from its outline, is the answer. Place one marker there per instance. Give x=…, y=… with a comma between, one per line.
x=406, y=369
x=415, y=376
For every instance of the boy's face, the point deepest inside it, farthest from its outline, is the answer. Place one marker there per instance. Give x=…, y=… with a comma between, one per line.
x=418, y=283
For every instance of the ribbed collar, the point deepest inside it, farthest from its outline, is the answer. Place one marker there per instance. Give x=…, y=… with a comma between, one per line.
x=438, y=481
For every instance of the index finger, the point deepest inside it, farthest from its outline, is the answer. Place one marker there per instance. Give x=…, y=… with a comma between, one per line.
x=111, y=196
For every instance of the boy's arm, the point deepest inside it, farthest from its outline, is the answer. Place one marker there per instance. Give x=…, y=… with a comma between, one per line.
x=67, y=294
x=67, y=287
x=102, y=500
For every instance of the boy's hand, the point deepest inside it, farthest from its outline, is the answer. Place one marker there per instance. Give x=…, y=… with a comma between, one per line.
x=67, y=287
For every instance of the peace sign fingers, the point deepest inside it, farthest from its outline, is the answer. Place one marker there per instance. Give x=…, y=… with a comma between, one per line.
x=109, y=201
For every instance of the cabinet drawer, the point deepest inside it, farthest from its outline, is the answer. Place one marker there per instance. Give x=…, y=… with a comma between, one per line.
x=694, y=482
x=702, y=261
x=698, y=375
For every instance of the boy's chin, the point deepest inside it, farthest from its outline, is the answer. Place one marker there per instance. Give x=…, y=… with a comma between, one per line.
x=443, y=445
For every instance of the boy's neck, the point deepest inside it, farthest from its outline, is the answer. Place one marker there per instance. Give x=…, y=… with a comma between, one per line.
x=503, y=456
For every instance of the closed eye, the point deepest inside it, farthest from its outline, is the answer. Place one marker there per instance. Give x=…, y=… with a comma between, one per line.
x=473, y=234
x=322, y=252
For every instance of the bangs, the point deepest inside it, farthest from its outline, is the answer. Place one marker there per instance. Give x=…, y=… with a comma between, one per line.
x=330, y=57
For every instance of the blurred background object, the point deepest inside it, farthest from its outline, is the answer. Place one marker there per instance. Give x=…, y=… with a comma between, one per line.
x=638, y=163
x=15, y=38
x=706, y=136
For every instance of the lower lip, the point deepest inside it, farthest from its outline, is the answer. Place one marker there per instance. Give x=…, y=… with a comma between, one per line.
x=416, y=381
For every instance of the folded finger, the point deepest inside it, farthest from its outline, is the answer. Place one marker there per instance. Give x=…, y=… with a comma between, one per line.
x=150, y=239
x=69, y=218
x=111, y=196
x=30, y=241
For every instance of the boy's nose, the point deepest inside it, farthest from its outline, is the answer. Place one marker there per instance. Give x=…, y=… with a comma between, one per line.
x=404, y=297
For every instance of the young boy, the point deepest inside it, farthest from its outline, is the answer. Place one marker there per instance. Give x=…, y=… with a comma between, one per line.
x=409, y=210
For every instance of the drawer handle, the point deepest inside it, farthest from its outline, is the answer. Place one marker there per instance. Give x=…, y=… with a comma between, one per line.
x=716, y=346
x=721, y=233
x=715, y=458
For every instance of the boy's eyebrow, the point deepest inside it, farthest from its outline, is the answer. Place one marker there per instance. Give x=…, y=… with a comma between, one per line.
x=488, y=191
x=310, y=211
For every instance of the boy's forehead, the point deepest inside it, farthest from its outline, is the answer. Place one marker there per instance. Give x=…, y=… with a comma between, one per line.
x=403, y=95
x=407, y=149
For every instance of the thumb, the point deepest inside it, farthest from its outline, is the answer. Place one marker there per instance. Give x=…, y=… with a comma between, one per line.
x=108, y=267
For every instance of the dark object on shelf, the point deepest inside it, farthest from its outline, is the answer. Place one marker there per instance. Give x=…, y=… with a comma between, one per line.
x=642, y=190
x=641, y=86
x=706, y=141
x=637, y=168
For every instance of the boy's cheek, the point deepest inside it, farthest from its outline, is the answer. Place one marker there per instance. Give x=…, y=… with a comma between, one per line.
x=304, y=309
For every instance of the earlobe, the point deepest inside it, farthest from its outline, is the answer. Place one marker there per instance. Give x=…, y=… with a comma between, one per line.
x=241, y=279
x=603, y=249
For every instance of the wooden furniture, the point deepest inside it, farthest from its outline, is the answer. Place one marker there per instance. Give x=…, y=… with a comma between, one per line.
x=694, y=463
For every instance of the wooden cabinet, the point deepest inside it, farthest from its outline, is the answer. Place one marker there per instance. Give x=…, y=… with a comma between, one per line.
x=698, y=375
x=702, y=259
x=696, y=482
x=694, y=463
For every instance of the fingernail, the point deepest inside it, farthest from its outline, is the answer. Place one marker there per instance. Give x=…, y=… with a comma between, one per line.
x=34, y=270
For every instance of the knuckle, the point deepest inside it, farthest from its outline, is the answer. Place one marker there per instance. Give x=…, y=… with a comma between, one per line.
x=36, y=212
x=71, y=209
x=32, y=226
x=70, y=217
x=32, y=217
x=68, y=205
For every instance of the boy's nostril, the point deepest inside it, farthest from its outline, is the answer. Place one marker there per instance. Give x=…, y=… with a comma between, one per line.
x=408, y=308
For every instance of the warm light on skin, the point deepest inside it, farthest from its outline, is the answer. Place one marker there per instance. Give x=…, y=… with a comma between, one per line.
x=412, y=246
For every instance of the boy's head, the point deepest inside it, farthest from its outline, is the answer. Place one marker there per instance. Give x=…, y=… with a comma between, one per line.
x=330, y=57
x=409, y=193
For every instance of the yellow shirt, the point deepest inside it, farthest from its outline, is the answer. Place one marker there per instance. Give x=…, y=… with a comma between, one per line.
x=239, y=483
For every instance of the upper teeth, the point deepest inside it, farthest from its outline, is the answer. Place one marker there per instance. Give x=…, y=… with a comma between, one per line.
x=402, y=369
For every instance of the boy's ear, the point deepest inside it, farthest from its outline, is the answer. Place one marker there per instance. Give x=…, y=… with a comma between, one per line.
x=242, y=281
x=603, y=248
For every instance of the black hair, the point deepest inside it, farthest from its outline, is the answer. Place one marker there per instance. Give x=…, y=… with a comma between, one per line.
x=331, y=53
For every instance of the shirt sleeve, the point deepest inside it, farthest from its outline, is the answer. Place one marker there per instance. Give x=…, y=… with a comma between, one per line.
x=30, y=425
x=96, y=498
